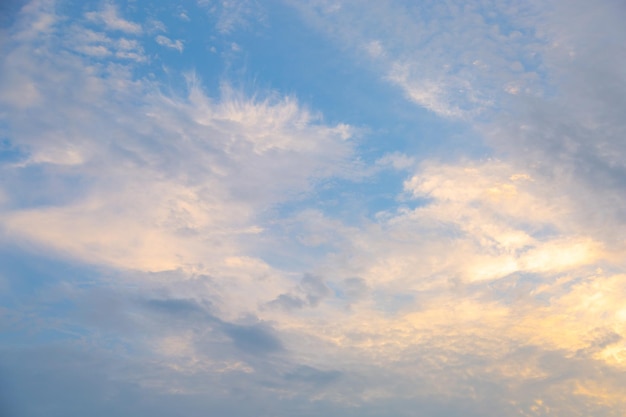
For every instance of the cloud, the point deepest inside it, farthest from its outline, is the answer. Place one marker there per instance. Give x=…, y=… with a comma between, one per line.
x=312, y=376
x=167, y=42
x=209, y=284
x=396, y=161
x=455, y=60
x=353, y=288
x=177, y=307
x=109, y=17
x=573, y=139
x=288, y=301
x=233, y=15
x=489, y=262
x=310, y=292
x=150, y=211
x=255, y=339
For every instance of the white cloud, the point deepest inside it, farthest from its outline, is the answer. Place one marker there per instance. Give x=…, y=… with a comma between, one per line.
x=145, y=209
x=397, y=161
x=109, y=16
x=432, y=95
x=100, y=44
x=38, y=18
x=375, y=49
x=156, y=26
x=167, y=42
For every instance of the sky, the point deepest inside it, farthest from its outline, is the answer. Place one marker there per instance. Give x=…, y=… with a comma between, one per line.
x=301, y=208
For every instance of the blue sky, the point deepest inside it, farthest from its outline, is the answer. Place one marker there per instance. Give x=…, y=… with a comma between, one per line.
x=304, y=208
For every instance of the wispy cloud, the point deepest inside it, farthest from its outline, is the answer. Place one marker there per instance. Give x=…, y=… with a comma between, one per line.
x=110, y=18
x=167, y=42
x=233, y=14
x=456, y=60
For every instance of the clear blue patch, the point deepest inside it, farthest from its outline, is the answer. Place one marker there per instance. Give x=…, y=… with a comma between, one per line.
x=34, y=290
x=11, y=153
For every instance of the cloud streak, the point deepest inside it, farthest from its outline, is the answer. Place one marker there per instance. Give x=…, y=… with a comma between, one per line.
x=167, y=42
x=110, y=18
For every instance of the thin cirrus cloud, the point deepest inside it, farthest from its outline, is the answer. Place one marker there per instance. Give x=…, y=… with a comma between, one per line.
x=455, y=59
x=177, y=241
x=109, y=16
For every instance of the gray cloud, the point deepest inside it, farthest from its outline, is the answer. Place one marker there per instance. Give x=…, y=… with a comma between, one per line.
x=573, y=137
x=310, y=292
x=256, y=339
x=177, y=307
x=354, y=288
x=250, y=337
x=288, y=302
x=314, y=289
x=313, y=376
